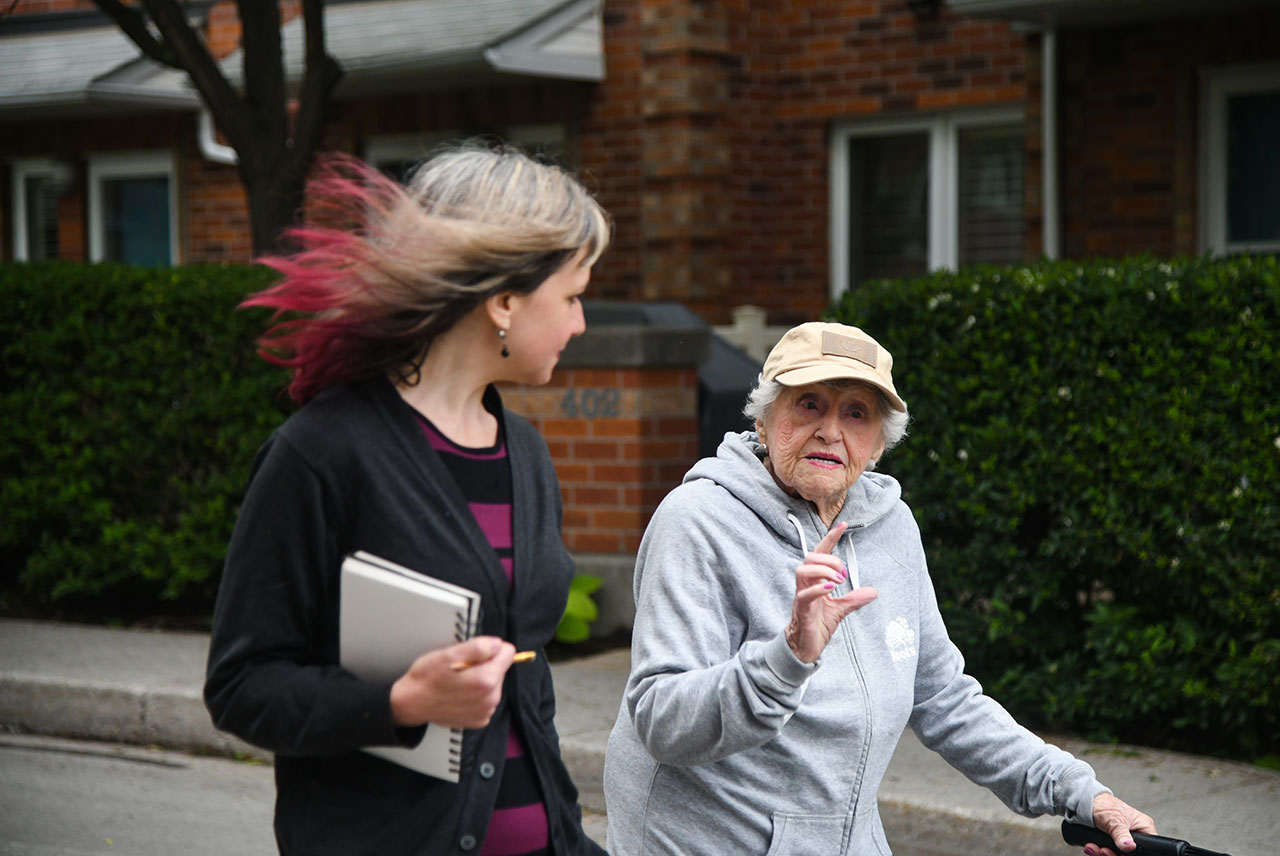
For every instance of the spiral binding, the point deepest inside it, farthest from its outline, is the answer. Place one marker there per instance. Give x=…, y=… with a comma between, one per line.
x=461, y=632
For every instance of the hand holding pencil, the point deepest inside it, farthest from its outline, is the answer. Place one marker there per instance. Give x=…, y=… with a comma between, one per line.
x=519, y=657
x=458, y=686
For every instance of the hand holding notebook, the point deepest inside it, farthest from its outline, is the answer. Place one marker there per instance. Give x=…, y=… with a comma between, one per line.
x=405, y=628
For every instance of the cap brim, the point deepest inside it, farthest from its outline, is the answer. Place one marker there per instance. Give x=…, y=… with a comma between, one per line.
x=818, y=374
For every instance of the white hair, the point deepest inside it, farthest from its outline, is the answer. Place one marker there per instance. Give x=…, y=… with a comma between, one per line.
x=893, y=423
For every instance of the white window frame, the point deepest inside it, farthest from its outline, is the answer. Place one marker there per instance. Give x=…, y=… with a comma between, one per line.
x=137, y=164
x=1217, y=85
x=23, y=169
x=943, y=130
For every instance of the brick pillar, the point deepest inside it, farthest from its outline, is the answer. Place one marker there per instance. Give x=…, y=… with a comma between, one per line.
x=620, y=417
x=686, y=147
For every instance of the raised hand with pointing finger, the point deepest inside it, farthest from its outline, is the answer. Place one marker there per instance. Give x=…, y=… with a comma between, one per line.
x=814, y=613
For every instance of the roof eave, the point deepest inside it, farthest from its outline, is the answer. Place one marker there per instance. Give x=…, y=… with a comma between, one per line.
x=93, y=101
x=565, y=43
x=155, y=99
x=1088, y=13
x=565, y=67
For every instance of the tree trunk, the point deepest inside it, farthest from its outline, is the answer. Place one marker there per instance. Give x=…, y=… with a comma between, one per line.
x=275, y=149
x=275, y=198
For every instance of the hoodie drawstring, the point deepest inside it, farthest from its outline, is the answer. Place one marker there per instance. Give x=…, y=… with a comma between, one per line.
x=851, y=558
x=804, y=550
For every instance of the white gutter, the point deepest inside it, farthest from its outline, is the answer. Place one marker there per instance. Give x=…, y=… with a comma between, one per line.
x=207, y=138
x=1051, y=229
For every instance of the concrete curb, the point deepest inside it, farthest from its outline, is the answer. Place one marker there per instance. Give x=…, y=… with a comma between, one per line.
x=171, y=718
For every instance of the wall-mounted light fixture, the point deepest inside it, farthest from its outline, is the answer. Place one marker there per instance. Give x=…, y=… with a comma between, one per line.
x=925, y=10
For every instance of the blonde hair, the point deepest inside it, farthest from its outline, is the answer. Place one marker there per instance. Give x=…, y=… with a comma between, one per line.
x=390, y=267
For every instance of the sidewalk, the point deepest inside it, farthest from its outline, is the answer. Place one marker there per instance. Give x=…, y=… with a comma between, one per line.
x=144, y=687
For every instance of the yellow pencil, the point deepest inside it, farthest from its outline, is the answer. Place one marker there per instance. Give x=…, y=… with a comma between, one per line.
x=520, y=657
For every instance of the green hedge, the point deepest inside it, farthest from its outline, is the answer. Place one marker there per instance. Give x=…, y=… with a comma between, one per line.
x=132, y=405
x=1094, y=461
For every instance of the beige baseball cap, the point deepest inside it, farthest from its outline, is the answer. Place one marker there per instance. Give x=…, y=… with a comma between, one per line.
x=819, y=351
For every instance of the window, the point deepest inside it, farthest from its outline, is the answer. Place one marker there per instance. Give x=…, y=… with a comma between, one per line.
x=992, y=225
x=889, y=205
x=1240, y=173
x=398, y=154
x=37, y=184
x=133, y=208
x=915, y=195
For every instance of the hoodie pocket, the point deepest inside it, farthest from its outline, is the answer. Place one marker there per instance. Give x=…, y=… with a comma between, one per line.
x=806, y=835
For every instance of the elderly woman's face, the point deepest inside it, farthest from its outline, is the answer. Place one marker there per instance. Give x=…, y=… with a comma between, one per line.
x=819, y=440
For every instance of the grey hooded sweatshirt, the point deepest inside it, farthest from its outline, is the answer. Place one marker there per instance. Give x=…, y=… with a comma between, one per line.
x=725, y=743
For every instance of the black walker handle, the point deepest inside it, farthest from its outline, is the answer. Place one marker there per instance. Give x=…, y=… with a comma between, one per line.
x=1079, y=835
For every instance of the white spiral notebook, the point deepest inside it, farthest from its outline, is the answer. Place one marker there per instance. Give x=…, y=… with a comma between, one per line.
x=388, y=617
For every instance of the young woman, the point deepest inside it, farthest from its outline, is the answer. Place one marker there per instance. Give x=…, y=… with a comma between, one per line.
x=397, y=319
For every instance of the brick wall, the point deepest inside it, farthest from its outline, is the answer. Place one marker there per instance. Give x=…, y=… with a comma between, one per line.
x=707, y=142
x=611, y=151
x=213, y=217
x=715, y=118
x=620, y=417
x=222, y=28
x=223, y=24
x=40, y=7
x=480, y=108
x=1129, y=114
x=217, y=214
x=621, y=438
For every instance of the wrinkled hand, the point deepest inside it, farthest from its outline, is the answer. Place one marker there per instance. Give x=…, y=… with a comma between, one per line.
x=432, y=691
x=815, y=615
x=1117, y=819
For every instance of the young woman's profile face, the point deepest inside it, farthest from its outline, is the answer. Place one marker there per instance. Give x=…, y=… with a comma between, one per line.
x=544, y=320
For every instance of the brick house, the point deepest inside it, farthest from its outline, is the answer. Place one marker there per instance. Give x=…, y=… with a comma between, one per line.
x=771, y=152
x=752, y=152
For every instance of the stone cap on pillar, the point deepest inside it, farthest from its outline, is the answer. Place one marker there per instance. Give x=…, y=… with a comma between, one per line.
x=625, y=334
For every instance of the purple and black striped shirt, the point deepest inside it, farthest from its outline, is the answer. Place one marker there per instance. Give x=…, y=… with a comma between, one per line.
x=518, y=825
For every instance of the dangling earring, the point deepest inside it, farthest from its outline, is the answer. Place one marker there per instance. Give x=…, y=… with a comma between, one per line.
x=502, y=334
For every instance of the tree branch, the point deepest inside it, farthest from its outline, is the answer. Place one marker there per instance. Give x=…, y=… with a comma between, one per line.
x=266, y=89
x=193, y=56
x=134, y=25
x=321, y=76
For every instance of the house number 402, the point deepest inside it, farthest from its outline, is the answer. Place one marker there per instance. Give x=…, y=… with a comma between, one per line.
x=590, y=403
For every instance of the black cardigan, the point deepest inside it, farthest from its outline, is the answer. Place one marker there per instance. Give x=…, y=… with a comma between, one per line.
x=352, y=470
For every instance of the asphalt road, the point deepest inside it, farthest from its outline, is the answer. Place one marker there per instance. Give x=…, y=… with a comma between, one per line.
x=73, y=798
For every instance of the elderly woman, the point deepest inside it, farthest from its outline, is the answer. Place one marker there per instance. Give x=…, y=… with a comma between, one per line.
x=787, y=631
